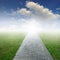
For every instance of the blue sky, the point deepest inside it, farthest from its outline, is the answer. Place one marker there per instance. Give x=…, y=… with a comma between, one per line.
x=9, y=5
x=14, y=12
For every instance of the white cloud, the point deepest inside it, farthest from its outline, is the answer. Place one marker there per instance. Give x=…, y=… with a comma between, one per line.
x=37, y=11
x=24, y=11
x=41, y=12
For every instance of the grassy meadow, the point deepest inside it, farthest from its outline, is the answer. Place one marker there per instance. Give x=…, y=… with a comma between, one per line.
x=9, y=44
x=52, y=43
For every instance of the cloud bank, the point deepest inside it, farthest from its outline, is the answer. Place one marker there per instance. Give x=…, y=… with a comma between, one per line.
x=38, y=12
x=41, y=12
x=24, y=11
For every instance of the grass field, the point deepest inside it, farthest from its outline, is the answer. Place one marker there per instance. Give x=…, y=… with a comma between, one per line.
x=52, y=42
x=9, y=44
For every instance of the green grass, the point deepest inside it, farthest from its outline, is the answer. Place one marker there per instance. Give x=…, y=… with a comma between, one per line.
x=52, y=42
x=9, y=44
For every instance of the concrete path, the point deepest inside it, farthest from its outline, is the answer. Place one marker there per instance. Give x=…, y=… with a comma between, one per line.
x=32, y=48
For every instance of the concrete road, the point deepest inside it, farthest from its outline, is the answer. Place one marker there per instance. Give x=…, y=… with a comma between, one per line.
x=32, y=48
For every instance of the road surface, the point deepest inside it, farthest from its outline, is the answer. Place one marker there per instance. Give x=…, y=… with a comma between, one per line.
x=32, y=48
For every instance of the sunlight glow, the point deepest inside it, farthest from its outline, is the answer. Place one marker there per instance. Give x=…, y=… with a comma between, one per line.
x=32, y=27
x=27, y=26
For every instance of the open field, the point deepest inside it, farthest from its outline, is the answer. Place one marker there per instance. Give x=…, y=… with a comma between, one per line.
x=9, y=44
x=52, y=42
